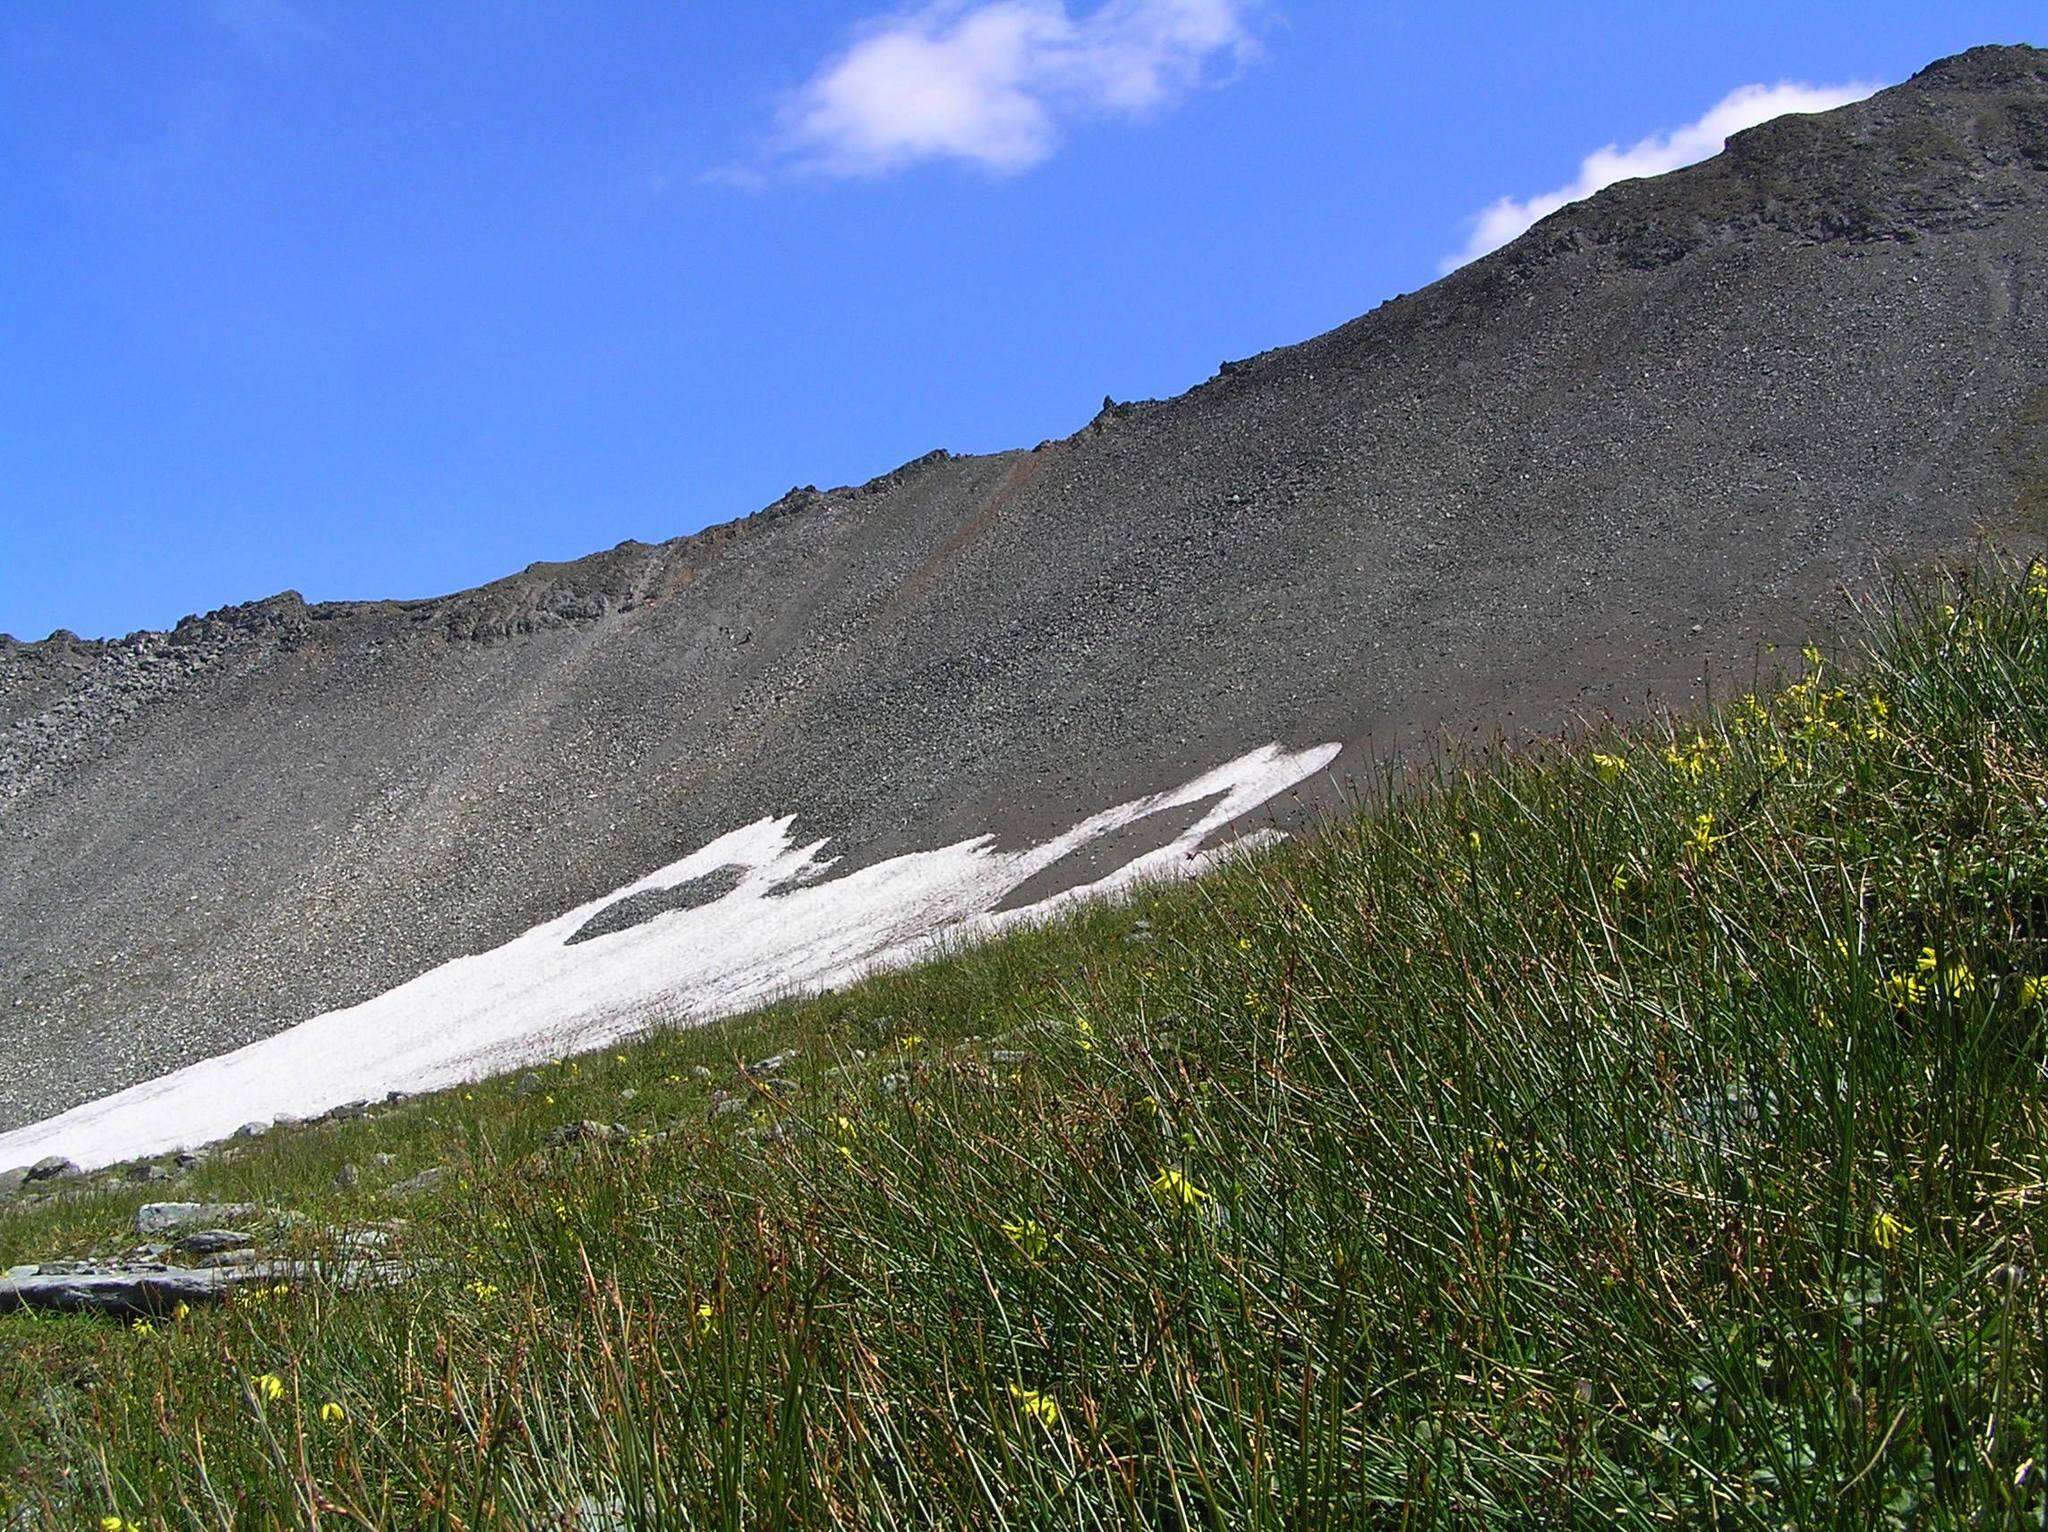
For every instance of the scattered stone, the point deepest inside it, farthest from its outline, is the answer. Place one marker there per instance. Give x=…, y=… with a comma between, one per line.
x=214, y=1241
x=425, y=1181
x=347, y=1179
x=629, y=1094
x=773, y=1064
x=699, y=1072
x=1009, y=1056
x=285, y=1120
x=584, y=1133
x=169, y=1217
x=783, y=1087
x=528, y=1084
x=136, y=1290
x=893, y=1083
x=190, y=1158
x=11, y=1181
x=346, y=1111
x=146, y=1172
x=243, y=1257
x=51, y=1168
x=393, y=1098
x=250, y=1130
x=381, y=1158
x=727, y=1106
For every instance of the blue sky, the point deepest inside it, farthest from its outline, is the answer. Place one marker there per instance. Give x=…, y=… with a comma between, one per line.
x=383, y=299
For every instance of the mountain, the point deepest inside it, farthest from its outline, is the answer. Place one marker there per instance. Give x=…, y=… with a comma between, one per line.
x=1601, y=465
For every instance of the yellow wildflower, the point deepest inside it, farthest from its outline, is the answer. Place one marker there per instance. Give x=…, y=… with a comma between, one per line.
x=1612, y=768
x=909, y=1042
x=1173, y=1189
x=269, y=1387
x=704, y=1316
x=182, y=1311
x=143, y=1327
x=1618, y=883
x=1886, y=1231
x=1693, y=767
x=2033, y=991
x=1029, y=1237
x=1039, y=1407
x=1472, y=840
x=1084, y=1033
x=332, y=1413
x=1905, y=990
x=482, y=1291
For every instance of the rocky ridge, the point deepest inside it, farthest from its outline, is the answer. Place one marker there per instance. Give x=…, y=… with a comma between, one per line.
x=1665, y=427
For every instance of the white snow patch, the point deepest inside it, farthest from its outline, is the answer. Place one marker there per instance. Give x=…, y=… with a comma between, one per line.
x=538, y=998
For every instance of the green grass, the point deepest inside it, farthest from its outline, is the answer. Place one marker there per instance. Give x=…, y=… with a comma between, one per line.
x=1650, y=1134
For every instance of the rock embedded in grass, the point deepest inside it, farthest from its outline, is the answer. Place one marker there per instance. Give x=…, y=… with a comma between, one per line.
x=51, y=1168
x=425, y=1181
x=215, y=1241
x=169, y=1217
x=585, y=1132
x=140, y=1289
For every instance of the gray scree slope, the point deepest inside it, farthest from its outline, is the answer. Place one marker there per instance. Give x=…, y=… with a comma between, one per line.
x=1594, y=466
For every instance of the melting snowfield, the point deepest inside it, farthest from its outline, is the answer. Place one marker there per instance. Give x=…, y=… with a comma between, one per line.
x=781, y=924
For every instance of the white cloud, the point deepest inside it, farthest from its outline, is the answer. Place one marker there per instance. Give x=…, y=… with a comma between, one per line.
x=1743, y=107
x=993, y=83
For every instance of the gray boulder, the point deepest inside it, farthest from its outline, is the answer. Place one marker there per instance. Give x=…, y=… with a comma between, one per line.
x=51, y=1168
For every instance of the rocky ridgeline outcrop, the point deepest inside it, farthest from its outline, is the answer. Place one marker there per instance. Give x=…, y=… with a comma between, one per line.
x=67, y=699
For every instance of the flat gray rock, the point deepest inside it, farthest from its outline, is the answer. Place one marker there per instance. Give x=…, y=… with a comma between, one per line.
x=169, y=1217
x=215, y=1241
x=125, y=1291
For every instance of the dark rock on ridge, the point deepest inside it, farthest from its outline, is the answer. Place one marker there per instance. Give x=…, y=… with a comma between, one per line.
x=1599, y=465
